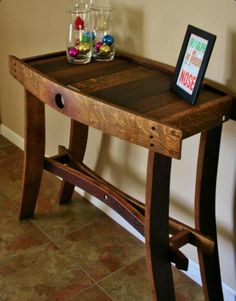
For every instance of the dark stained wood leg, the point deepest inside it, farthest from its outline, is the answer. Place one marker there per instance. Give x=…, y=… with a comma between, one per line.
x=77, y=145
x=34, y=153
x=157, y=227
x=205, y=211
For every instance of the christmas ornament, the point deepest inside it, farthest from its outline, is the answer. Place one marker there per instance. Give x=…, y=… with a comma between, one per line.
x=105, y=49
x=73, y=51
x=98, y=45
x=86, y=37
x=79, y=23
x=108, y=40
x=84, y=47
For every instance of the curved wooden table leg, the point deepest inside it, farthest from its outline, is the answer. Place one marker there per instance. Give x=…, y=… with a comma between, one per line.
x=157, y=227
x=205, y=211
x=34, y=153
x=77, y=145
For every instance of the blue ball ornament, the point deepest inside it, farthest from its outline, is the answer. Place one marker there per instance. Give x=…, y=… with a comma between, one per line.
x=108, y=40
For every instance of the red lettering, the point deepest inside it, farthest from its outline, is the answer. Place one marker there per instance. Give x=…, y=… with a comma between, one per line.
x=193, y=83
x=187, y=79
x=182, y=76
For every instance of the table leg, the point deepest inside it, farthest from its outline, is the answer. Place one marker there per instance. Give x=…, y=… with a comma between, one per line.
x=157, y=227
x=34, y=153
x=77, y=146
x=205, y=211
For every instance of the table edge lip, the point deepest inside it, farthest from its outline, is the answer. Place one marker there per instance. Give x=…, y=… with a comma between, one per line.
x=178, y=132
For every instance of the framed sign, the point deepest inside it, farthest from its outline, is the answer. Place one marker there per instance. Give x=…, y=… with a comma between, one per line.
x=192, y=63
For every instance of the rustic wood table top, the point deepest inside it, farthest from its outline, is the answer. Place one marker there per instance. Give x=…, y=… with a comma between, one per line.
x=129, y=98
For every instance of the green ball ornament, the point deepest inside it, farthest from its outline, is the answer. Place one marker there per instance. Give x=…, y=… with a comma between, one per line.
x=86, y=37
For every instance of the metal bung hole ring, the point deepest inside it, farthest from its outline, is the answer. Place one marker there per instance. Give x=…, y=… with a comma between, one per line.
x=59, y=101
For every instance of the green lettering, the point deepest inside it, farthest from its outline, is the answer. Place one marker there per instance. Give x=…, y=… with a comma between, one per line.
x=200, y=46
x=192, y=43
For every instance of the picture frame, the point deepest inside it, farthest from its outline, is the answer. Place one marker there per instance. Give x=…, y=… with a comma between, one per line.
x=192, y=63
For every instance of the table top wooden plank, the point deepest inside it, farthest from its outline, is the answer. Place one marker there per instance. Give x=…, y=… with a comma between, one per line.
x=129, y=98
x=132, y=92
x=92, y=85
x=68, y=74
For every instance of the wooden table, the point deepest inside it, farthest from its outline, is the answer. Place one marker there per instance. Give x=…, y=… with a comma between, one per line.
x=129, y=98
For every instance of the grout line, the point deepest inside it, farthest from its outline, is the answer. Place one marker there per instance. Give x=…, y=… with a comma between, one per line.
x=69, y=256
x=114, y=273
x=86, y=289
x=95, y=282
x=66, y=253
x=63, y=236
x=31, y=249
x=51, y=239
x=81, y=292
x=105, y=292
x=118, y=270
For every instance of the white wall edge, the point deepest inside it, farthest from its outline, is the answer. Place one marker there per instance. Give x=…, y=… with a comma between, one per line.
x=194, y=273
x=12, y=136
x=193, y=270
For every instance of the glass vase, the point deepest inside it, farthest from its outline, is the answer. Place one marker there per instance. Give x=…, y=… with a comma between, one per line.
x=79, y=38
x=103, y=40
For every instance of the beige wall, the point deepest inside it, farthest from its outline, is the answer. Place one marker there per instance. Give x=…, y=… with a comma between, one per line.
x=0, y=111
x=155, y=29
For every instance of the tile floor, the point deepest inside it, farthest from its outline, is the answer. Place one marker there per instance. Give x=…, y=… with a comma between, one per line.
x=71, y=252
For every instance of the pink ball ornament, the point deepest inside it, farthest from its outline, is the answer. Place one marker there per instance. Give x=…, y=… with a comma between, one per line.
x=98, y=45
x=73, y=51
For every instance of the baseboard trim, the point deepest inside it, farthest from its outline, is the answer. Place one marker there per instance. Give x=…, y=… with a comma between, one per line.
x=193, y=271
x=12, y=136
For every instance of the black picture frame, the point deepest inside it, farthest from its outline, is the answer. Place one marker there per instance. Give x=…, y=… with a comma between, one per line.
x=192, y=63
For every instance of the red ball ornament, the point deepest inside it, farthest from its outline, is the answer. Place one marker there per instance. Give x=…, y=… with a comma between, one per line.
x=79, y=23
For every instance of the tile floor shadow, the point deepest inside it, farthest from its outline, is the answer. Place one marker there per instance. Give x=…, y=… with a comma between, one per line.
x=71, y=252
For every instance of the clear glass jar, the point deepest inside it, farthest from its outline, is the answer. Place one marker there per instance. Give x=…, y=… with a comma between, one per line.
x=79, y=38
x=103, y=40
x=82, y=3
